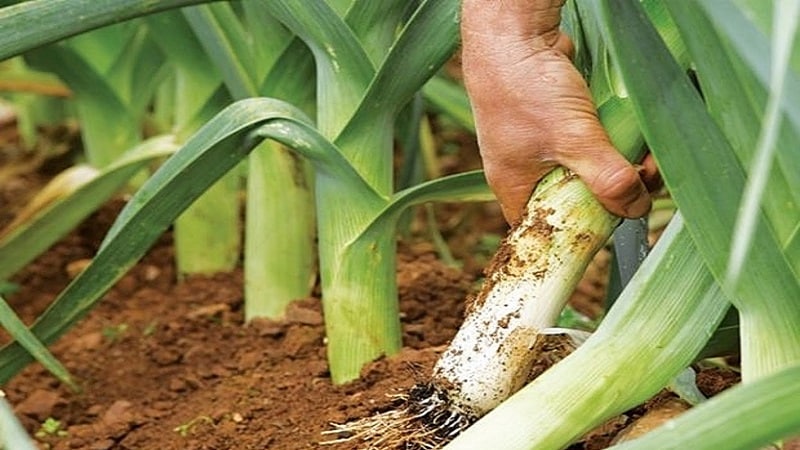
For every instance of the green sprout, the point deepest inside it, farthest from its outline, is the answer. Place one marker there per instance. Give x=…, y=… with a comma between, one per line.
x=51, y=427
x=187, y=428
x=114, y=332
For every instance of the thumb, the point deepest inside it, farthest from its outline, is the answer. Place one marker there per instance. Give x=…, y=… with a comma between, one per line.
x=613, y=180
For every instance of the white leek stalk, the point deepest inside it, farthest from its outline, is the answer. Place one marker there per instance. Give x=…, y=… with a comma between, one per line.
x=655, y=329
x=12, y=433
x=528, y=284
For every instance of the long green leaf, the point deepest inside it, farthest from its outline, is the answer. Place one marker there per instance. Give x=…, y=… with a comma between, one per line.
x=35, y=23
x=658, y=88
x=17, y=329
x=224, y=39
x=434, y=21
x=753, y=45
x=343, y=68
x=749, y=46
x=375, y=25
x=269, y=34
x=22, y=245
x=735, y=113
x=467, y=186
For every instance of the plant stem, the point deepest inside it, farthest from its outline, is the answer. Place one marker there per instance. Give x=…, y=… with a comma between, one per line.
x=279, y=263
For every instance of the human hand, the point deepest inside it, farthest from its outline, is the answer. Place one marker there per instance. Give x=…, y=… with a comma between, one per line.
x=533, y=110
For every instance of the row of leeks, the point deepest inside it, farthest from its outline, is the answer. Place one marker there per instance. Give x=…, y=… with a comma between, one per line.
x=653, y=331
x=358, y=51
x=671, y=307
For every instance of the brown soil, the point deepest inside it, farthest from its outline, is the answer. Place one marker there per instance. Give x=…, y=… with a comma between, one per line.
x=171, y=365
x=166, y=365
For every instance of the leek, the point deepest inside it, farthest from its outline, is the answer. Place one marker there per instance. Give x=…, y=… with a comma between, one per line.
x=207, y=234
x=652, y=332
x=358, y=99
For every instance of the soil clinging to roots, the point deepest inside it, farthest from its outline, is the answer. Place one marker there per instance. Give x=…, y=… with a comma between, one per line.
x=422, y=419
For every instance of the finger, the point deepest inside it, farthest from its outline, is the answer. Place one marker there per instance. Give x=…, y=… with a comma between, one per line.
x=613, y=180
x=648, y=171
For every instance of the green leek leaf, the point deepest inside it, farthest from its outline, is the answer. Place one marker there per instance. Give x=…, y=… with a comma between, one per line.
x=706, y=180
x=17, y=329
x=752, y=416
x=35, y=23
x=21, y=245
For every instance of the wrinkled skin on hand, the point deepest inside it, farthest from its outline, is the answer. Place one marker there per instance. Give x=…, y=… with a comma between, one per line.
x=533, y=109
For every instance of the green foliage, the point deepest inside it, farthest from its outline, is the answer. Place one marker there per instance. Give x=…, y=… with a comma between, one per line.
x=658, y=88
x=767, y=410
x=337, y=78
x=51, y=427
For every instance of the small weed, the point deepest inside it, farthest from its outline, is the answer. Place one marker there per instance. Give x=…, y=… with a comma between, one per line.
x=185, y=429
x=50, y=427
x=150, y=328
x=114, y=333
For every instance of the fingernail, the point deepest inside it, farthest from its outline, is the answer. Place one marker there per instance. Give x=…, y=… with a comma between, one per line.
x=640, y=207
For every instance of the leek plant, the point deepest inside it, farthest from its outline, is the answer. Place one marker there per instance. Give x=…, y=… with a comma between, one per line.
x=653, y=331
x=261, y=57
x=358, y=51
x=358, y=97
x=704, y=139
x=207, y=237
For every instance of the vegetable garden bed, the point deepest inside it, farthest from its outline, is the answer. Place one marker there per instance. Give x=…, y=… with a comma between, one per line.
x=291, y=169
x=171, y=366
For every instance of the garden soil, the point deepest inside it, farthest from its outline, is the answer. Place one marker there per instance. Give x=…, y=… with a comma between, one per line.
x=168, y=364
